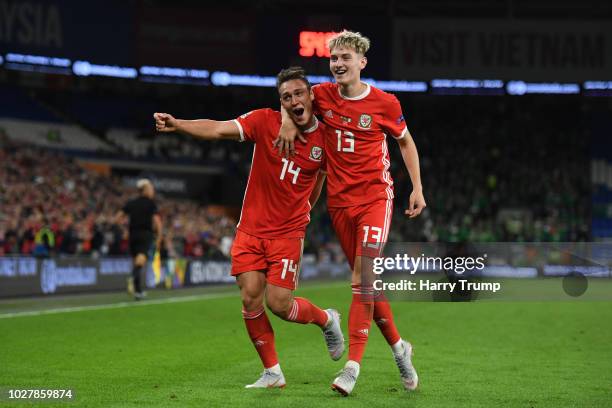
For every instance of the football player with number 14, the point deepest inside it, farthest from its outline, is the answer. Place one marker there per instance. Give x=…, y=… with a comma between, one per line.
x=267, y=250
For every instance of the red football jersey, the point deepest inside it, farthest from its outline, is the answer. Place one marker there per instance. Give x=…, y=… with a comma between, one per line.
x=356, y=143
x=276, y=198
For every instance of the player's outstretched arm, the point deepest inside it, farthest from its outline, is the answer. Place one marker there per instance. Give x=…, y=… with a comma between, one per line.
x=411, y=160
x=205, y=129
x=285, y=142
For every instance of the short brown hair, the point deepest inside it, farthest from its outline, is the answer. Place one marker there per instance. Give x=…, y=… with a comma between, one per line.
x=291, y=73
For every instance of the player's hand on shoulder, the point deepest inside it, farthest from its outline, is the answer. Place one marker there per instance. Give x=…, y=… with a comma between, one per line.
x=285, y=142
x=416, y=204
x=164, y=122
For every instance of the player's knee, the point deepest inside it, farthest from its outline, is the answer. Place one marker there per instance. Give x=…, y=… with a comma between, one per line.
x=280, y=306
x=251, y=301
x=251, y=291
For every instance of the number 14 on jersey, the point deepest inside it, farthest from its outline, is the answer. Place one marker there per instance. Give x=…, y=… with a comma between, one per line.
x=291, y=168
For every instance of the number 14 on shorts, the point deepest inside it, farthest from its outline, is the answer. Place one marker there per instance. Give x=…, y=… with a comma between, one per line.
x=289, y=266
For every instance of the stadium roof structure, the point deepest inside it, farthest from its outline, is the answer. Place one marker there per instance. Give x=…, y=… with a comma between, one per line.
x=540, y=9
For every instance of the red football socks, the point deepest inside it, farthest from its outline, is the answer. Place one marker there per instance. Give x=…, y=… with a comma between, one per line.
x=262, y=336
x=305, y=312
x=384, y=319
x=360, y=319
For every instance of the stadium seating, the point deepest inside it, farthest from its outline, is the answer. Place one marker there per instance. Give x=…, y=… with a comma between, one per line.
x=166, y=146
x=44, y=189
x=53, y=134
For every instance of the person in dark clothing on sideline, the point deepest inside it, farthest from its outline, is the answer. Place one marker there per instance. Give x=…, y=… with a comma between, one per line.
x=145, y=226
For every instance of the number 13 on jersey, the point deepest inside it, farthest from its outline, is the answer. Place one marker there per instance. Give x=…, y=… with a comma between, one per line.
x=346, y=141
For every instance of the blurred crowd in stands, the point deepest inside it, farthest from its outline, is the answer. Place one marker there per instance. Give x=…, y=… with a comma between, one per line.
x=502, y=169
x=493, y=168
x=49, y=205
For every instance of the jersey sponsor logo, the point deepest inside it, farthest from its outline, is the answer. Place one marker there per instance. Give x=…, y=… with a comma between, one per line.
x=329, y=114
x=365, y=121
x=316, y=153
x=345, y=119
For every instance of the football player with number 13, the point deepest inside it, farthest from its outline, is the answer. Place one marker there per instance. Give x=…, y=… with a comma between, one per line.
x=360, y=190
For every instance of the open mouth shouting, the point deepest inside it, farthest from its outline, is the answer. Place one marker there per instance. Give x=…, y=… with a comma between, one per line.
x=298, y=113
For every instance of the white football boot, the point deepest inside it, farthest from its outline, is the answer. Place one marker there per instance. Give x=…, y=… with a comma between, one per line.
x=334, y=339
x=403, y=359
x=345, y=382
x=269, y=379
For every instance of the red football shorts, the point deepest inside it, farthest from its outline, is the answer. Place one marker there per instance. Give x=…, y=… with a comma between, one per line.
x=362, y=230
x=279, y=259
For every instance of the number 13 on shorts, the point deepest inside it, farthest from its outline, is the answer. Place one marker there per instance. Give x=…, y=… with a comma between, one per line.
x=289, y=266
x=372, y=236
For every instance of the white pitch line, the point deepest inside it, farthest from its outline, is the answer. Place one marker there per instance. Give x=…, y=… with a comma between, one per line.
x=176, y=299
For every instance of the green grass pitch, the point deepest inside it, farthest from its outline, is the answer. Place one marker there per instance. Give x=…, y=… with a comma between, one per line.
x=196, y=353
